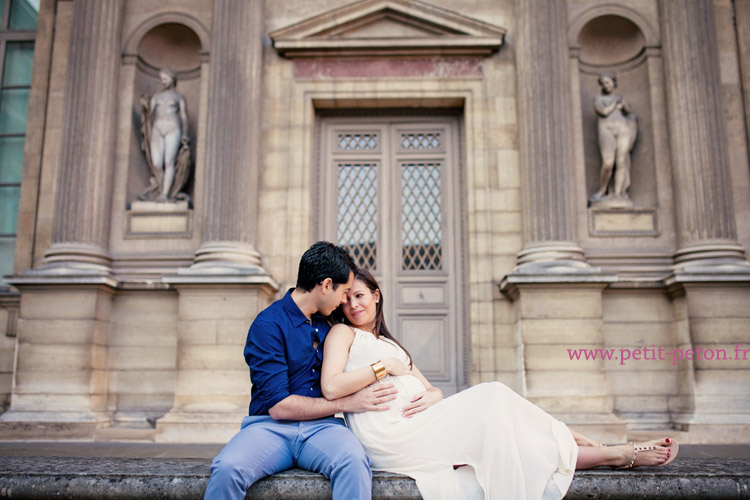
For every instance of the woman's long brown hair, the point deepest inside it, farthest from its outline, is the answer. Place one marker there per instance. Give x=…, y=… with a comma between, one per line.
x=381, y=330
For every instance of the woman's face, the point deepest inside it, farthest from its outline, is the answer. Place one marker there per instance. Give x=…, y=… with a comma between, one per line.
x=361, y=306
x=608, y=85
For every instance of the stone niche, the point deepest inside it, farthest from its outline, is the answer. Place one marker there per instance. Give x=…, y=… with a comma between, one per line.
x=176, y=46
x=612, y=43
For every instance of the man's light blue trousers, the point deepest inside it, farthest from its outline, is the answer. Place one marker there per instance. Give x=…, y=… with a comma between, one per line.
x=265, y=446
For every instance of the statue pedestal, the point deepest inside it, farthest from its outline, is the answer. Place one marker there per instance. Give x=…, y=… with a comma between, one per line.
x=153, y=219
x=615, y=218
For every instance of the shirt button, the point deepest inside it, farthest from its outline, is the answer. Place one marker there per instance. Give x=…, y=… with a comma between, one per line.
x=311, y=389
x=313, y=370
x=316, y=330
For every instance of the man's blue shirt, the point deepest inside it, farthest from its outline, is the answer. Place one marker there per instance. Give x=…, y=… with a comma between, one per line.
x=281, y=354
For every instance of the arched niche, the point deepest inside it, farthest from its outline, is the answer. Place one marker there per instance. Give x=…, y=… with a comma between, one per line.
x=614, y=40
x=163, y=42
x=650, y=35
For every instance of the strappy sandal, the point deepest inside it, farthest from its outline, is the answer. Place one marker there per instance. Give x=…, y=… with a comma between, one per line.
x=636, y=449
x=673, y=447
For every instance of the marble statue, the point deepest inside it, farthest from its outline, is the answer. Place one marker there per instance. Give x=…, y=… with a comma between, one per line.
x=165, y=141
x=618, y=128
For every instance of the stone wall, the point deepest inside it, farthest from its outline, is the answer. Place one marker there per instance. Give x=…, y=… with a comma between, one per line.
x=151, y=325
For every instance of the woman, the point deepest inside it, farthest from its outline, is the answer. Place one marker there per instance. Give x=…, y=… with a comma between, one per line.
x=484, y=442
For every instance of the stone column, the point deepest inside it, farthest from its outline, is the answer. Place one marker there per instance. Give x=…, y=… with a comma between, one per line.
x=230, y=192
x=705, y=216
x=545, y=133
x=61, y=367
x=711, y=275
x=84, y=179
x=742, y=20
x=227, y=286
x=557, y=296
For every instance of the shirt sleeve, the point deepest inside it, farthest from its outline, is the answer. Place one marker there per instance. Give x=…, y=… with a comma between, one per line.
x=265, y=355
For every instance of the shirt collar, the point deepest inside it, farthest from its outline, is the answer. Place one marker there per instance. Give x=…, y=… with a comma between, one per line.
x=296, y=316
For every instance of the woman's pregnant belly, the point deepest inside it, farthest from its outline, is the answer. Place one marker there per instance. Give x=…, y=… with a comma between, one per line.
x=408, y=386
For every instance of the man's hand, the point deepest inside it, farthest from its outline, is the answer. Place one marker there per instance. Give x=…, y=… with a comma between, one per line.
x=371, y=398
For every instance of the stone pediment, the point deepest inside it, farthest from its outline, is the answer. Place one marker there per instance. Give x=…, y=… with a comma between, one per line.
x=388, y=28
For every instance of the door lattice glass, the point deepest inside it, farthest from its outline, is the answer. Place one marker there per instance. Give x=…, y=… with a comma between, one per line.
x=357, y=229
x=421, y=216
x=357, y=142
x=420, y=141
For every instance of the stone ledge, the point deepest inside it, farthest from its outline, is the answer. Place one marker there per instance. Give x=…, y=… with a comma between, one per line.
x=185, y=478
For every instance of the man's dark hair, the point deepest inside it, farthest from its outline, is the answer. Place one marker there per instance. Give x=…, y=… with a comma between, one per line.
x=324, y=260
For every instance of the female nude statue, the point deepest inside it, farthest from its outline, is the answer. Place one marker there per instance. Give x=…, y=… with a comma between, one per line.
x=165, y=141
x=618, y=128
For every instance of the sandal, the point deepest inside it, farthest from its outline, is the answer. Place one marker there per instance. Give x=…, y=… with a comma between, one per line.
x=673, y=448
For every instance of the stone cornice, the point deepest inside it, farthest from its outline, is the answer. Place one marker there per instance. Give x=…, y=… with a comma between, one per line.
x=364, y=28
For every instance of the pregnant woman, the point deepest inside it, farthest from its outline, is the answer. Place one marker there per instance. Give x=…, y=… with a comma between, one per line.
x=486, y=442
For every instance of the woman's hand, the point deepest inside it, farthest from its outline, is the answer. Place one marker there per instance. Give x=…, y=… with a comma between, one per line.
x=394, y=366
x=422, y=401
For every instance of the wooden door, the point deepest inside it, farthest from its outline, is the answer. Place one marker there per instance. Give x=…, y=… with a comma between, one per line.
x=390, y=194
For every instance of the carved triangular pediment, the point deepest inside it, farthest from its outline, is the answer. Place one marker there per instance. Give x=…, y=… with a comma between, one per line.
x=388, y=28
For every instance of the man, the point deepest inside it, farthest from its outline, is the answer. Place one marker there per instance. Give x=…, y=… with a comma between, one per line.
x=290, y=423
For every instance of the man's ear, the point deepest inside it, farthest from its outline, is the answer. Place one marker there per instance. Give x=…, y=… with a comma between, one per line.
x=326, y=285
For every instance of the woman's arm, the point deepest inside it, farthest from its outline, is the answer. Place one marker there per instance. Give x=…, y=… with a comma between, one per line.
x=603, y=106
x=334, y=381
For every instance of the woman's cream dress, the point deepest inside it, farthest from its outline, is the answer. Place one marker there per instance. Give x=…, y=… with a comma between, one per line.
x=514, y=449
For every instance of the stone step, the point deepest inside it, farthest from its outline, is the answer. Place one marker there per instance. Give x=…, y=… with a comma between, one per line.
x=85, y=478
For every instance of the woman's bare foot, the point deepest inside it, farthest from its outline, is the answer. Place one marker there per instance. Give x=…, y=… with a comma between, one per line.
x=582, y=440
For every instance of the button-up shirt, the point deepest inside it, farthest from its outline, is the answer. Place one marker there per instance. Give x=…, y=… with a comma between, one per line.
x=284, y=351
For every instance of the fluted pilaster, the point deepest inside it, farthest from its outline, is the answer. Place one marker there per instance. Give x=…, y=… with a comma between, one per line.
x=545, y=135
x=84, y=183
x=231, y=179
x=705, y=215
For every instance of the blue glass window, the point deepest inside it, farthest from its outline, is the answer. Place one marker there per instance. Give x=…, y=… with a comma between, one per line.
x=17, y=31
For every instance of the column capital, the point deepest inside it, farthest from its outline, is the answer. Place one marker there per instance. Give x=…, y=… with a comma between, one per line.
x=553, y=275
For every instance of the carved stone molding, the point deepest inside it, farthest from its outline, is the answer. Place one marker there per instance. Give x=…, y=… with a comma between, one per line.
x=623, y=222
x=388, y=28
x=149, y=219
x=650, y=33
x=130, y=47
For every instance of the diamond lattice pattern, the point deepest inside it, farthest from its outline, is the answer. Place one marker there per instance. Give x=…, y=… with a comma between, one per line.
x=358, y=212
x=421, y=141
x=421, y=216
x=357, y=142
